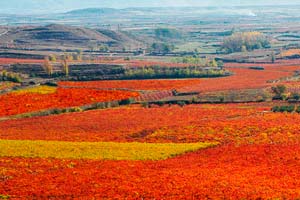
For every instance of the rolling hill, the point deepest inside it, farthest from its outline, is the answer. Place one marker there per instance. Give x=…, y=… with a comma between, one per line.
x=65, y=37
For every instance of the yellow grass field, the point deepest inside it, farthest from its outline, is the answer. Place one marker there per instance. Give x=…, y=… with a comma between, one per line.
x=38, y=90
x=96, y=150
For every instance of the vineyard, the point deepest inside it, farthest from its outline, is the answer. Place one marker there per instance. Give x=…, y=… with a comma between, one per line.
x=127, y=139
x=149, y=100
x=147, y=85
x=254, y=149
x=42, y=98
x=242, y=78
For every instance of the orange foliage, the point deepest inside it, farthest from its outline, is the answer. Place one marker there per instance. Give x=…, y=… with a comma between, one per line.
x=14, y=103
x=242, y=78
x=135, y=84
x=228, y=172
x=239, y=124
x=258, y=158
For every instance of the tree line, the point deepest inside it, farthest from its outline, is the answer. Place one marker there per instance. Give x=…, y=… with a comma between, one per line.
x=245, y=41
x=194, y=60
x=64, y=60
x=153, y=72
x=10, y=76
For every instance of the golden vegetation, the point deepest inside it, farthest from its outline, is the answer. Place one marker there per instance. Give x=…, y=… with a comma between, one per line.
x=96, y=150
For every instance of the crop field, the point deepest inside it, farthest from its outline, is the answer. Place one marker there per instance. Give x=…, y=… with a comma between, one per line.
x=234, y=151
x=244, y=124
x=17, y=60
x=147, y=85
x=198, y=151
x=42, y=98
x=243, y=78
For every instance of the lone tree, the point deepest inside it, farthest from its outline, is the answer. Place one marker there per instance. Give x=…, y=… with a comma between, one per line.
x=48, y=67
x=78, y=55
x=65, y=67
x=68, y=57
x=273, y=57
x=279, y=91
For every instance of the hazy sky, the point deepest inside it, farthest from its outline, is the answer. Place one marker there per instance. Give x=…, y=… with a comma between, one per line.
x=43, y=6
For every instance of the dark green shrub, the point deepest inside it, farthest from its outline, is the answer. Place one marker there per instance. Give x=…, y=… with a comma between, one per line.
x=51, y=84
x=295, y=96
x=222, y=99
x=257, y=68
x=145, y=104
x=160, y=103
x=56, y=111
x=288, y=109
x=279, y=91
x=181, y=103
x=276, y=109
x=125, y=102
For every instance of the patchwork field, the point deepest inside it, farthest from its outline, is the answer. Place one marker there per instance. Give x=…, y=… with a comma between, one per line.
x=149, y=100
x=255, y=157
x=198, y=151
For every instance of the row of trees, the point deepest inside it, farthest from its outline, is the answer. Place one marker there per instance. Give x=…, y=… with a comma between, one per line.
x=10, y=76
x=288, y=108
x=281, y=94
x=48, y=66
x=64, y=60
x=102, y=48
x=67, y=56
x=169, y=72
x=205, y=62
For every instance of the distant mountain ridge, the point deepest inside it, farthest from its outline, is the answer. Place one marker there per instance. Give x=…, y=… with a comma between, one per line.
x=93, y=11
x=59, y=6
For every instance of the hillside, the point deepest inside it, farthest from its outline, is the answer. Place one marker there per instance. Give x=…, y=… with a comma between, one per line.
x=62, y=37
